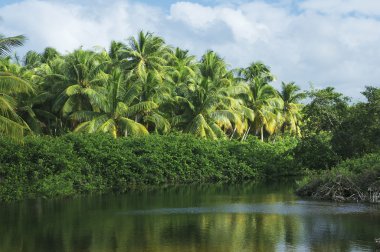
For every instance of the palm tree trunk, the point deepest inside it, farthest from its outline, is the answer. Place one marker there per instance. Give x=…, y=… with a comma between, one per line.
x=262, y=133
x=246, y=133
x=233, y=132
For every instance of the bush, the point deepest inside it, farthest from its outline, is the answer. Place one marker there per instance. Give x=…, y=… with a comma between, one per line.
x=316, y=152
x=77, y=163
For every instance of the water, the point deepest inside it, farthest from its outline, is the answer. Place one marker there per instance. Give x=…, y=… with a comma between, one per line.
x=239, y=217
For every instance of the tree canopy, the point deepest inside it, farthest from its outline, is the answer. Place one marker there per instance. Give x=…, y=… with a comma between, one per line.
x=146, y=86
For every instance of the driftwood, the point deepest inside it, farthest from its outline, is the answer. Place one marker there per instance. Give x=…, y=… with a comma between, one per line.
x=341, y=189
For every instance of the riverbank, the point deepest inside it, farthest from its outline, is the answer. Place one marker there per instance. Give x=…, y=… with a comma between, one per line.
x=355, y=180
x=96, y=163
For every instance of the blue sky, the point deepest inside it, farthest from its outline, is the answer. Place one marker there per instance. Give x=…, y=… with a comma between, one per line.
x=324, y=42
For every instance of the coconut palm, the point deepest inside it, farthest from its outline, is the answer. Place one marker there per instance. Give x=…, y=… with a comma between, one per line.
x=116, y=115
x=291, y=111
x=264, y=102
x=183, y=67
x=203, y=112
x=32, y=60
x=11, y=87
x=147, y=52
x=256, y=70
x=82, y=73
x=206, y=108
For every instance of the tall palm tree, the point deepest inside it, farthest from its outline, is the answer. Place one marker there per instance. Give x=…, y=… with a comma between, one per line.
x=204, y=113
x=291, y=111
x=206, y=109
x=82, y=73
x=263, y=100
x=11, y=87
x=116, y=115
x=147, y=52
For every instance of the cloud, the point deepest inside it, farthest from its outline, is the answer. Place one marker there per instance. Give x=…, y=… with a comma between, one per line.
x=67, y=25
x=320, y=41
x=315, y=42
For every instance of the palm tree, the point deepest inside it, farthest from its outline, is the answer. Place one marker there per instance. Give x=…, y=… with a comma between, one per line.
x=32, y=60
x=261, y=98
x=82, y=73
x=256, y=70
x=207, y=109
x=147, y=52
x=182, y=67
x=116, y=114
x=116, y=52
x=291, y=111
x=145, y=61
x=264, y=102
x=11, y=87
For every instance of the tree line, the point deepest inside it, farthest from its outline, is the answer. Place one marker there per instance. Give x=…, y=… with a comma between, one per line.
x=145, y=86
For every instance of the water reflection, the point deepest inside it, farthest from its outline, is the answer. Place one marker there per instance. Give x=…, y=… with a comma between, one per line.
x=222, y=217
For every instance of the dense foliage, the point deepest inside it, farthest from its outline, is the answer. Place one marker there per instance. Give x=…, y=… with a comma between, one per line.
x=78, y=163
x=141, y=87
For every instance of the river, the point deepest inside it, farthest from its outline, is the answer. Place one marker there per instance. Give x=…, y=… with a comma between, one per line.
x=210, y=217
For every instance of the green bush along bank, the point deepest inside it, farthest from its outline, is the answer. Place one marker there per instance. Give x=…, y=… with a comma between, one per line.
x=76, y=163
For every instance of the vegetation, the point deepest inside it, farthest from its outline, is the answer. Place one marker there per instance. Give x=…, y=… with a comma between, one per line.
x=353, y=132
x=141, y=87
x=145, y=87
x=79, y=163
x=351, y=180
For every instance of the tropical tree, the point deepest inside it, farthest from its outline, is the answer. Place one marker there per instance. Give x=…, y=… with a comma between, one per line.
x=325, y=111
x=291, y=110
x=182, y=67
x=256, y=70
x=147, y=52
x=116, y=114
x=11, y=87
x=206, y=107
x=262, y=99
x=82, y=73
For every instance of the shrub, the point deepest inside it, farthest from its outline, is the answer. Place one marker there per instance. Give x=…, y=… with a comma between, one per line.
x=316, y=152
x=77, y=163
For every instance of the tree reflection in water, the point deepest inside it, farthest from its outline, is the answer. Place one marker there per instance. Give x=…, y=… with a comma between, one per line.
x=219, y=217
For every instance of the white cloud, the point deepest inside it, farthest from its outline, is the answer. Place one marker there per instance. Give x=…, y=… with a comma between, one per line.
x=321, y=41
x=67, y=26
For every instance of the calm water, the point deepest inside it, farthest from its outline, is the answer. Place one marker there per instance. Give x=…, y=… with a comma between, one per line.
x=240, y=217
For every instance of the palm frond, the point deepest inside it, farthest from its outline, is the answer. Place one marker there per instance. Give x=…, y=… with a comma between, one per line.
x=8, y=43
x=160, y=122
x=140, y=107
x=130, y=127
x=12, y=129
x=11, y=84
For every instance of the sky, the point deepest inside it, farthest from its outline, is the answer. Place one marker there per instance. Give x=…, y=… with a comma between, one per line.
x=311, y=42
